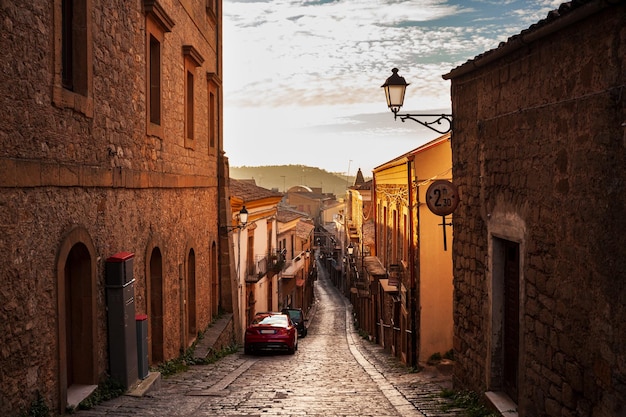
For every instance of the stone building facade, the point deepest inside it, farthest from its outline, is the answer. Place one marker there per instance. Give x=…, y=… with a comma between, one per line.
x=539, y=150
x=111, y=142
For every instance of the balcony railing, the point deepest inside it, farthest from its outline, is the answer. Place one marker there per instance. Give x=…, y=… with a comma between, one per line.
x=293, y=266
x=263, y=265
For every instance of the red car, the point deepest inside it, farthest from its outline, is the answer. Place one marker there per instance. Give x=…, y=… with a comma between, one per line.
x=271, y=331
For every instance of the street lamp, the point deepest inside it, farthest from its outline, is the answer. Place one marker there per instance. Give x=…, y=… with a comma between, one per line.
x=395, y=87
x=350, y=249
x=243, y=216
x=243, y=220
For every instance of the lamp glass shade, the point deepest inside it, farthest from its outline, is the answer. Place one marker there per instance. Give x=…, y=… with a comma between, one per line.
x=350, y=249
x=243, y=216
x=395, y=87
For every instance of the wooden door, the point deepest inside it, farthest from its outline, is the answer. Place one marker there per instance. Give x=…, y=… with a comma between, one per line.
x=511, y=319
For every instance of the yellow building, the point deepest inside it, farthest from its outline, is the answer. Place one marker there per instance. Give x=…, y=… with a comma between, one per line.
x=414, y=246
x=254, y=249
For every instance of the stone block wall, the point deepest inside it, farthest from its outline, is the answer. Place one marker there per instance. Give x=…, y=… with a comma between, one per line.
x=81, y=172
x=539, y=150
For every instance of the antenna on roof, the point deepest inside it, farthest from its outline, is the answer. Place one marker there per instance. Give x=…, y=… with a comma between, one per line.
x=348, y=175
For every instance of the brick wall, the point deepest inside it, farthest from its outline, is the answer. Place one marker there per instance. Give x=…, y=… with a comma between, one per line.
x=538, y=156
x=86, y=164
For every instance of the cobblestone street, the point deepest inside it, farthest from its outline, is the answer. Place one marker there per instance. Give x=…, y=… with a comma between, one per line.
x=335, y=372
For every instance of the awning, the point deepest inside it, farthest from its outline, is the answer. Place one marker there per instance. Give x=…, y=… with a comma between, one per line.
x=287, y=286
x=384, y=283
x=294, y=266
x=374, y=266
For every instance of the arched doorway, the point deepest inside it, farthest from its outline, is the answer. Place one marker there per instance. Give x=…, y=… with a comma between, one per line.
x=192, y=330
x=155, y=320
x=76, y=303
x=78, y=319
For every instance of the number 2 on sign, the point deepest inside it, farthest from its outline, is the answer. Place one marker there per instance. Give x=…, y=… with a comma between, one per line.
x=440, y=199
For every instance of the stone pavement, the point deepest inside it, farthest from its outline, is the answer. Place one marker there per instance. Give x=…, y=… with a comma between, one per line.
x=422, y=389
x=321, y=379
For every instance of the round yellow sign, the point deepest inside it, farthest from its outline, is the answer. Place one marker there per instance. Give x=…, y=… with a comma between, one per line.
x=442, y=197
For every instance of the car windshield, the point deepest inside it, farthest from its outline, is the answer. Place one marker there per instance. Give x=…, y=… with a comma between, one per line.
x=295, y=314
x=273, y=320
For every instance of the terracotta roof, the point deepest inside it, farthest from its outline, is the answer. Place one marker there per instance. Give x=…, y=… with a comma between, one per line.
x=304, y=229
x=366, y=185
x=286, y=214
x=247, y=190
x=567, y=14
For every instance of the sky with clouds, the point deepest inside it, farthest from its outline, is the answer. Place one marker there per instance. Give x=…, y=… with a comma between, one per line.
x=302, y=77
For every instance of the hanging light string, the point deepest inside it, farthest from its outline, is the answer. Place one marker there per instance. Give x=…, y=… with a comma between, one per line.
x=435, y=177
x=369, y=212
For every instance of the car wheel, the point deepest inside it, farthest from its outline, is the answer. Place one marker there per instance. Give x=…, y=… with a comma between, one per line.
x=304, y=333
x=247, y=350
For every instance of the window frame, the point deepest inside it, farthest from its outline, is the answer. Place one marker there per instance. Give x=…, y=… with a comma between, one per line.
x=192, y=60
x=154, y=128
x=158, y=23
x=189, y=105
x=212, y=10
x=76, y=93
x=214, y=118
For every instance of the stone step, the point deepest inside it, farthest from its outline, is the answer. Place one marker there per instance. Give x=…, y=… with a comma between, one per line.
x=211, y=340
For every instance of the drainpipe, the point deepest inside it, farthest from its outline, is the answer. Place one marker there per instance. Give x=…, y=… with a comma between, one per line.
x=412, y=262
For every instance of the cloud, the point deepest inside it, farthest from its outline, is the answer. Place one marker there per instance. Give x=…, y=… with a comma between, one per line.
x=330, y=52
x=298, y=71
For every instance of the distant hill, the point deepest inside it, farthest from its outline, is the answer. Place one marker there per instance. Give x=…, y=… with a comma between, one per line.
x=283, y=177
